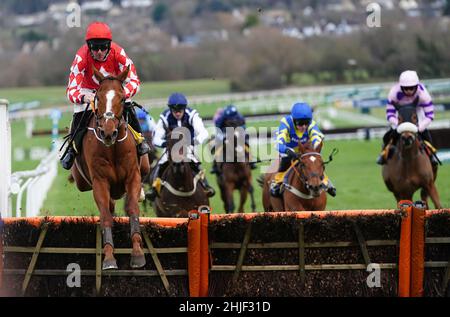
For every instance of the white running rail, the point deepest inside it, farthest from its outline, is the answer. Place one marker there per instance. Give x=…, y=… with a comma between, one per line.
x=5, y=159
x=35, y=183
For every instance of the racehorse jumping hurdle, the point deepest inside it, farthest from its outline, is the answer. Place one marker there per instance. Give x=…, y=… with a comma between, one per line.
x=331, y=253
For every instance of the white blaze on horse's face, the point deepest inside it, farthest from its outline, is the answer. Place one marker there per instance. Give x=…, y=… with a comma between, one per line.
x=109, y=98
x=312, y=158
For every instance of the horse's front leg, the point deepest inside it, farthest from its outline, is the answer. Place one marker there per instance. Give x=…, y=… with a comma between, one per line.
x=243, y=194
x=228, y=191
x=133, y=188
x=102, y=199
x=432, y=191
x=252, y=197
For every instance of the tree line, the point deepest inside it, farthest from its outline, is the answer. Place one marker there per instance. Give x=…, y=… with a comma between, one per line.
x=263, y=59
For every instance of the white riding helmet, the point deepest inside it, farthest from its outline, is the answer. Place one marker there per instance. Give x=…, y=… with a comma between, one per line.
x=408, y=78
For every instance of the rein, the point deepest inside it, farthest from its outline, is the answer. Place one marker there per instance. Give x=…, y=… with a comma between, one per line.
x=183, y=193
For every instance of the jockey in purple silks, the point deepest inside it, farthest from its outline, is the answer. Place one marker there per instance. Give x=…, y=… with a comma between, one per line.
x=408, y=90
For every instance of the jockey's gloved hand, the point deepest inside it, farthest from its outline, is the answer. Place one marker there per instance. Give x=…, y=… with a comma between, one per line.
x=393, y=122
x=88, y=97
x=291, y=153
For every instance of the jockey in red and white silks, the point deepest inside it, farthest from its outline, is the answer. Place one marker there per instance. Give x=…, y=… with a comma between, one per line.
x=110, y=59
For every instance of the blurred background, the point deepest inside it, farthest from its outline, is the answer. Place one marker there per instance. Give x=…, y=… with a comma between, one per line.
x=261, y=56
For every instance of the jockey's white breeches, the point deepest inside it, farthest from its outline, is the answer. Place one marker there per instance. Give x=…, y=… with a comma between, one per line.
x=190, y=157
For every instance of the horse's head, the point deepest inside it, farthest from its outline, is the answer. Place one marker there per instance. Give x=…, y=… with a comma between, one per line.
x=109, y=102
x=407, y=128
x=408, y=134
x=311, y=168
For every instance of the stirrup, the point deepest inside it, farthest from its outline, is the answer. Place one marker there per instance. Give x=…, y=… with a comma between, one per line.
x=331, y=191
x=434, y=161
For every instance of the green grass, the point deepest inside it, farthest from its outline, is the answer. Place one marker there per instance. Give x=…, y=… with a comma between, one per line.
x=56, y=95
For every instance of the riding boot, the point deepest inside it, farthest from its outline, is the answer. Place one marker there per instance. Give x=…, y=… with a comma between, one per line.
x=275, y=185
x=275, y=189
x=78, y=127
x=253, y=165
x=142, y=147
x=331, y=189
x=434, y=160
x=381, y=160
x=386, y=154
x=152, y=192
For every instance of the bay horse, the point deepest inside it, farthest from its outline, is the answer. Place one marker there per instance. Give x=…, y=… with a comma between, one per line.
x=180, y=191
x=409, y=168
x=109, y=165
x=303, y=183
x=234, y=170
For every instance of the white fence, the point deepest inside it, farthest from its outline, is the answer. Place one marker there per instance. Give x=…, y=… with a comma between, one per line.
x=35, y=183
x=5, y=158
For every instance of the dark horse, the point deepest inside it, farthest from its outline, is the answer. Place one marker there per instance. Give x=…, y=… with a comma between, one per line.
x=234, y=170
x=109, y=165
x=409, y=168
x=180, y=189
x=304, y=188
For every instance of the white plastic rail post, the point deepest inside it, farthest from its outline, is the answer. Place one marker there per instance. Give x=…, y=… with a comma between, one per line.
x=5, y=159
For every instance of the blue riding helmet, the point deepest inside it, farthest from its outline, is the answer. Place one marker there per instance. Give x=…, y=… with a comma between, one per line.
x=230, y=111
x=301, y=110
x=177, y=99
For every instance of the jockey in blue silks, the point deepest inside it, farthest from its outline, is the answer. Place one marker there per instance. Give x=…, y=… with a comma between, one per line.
x=229, y=117
x=297, y=127
x=179, y=114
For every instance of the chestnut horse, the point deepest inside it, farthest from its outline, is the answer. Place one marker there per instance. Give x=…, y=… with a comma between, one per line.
x=409, y=168
x=303, y=186
x=180, y=189
x=234, y=171
x=108, y=164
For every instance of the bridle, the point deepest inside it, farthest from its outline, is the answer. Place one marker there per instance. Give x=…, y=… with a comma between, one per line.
x=301, y=173
x=108, y=116
x=302, y=176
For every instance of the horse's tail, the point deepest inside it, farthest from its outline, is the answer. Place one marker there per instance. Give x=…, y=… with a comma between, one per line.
x=70, y=178
x=260, y=180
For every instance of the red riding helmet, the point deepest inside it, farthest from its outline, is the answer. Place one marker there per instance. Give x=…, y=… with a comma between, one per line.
x=98, y=30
